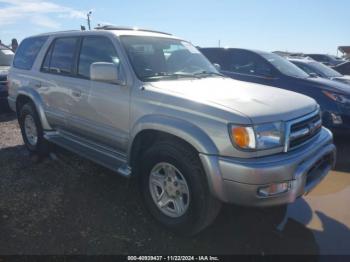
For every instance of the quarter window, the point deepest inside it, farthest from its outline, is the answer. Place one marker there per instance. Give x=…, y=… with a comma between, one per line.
x=27, y=52
x=96, y=49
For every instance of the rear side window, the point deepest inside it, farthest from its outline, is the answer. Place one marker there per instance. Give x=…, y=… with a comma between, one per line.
x=60, y=58
x=28, y=51
x=247, y=63
x=216, y=56
x=95, y=49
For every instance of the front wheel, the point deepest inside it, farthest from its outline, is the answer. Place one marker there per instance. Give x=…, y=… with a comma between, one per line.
x=32, y=131
x=175, y=188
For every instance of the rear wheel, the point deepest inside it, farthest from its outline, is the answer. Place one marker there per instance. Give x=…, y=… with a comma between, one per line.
x=32, y=131
x=175, y=188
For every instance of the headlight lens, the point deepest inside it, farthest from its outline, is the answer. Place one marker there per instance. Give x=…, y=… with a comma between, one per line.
x=337, y=97
x=258, y=137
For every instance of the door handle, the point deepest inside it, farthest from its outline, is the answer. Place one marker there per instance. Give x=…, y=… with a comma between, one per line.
x=76, y=93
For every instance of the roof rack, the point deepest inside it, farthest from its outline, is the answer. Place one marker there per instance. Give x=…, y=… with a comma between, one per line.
x=113, y=27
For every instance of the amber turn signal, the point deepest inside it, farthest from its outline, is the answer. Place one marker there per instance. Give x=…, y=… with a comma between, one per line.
x=243, y=137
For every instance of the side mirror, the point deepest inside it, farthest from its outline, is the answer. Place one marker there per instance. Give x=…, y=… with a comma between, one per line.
x=105, y=72
x=314, y=75
x=217, y=66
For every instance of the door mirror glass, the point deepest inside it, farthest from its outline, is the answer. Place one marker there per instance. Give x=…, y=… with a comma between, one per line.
x=104, y=72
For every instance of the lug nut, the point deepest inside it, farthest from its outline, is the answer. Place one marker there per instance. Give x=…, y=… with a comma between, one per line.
x=175, y=183
x=177, y=192
x=169, y=179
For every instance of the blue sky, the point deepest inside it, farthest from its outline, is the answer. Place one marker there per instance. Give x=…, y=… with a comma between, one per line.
x=293, y=25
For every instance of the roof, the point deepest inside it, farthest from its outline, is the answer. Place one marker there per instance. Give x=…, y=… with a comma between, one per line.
x=116, y=30
x=301, y=59
x=125, y=28
x=243, y=49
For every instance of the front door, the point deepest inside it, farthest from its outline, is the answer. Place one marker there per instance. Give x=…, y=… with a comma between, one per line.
x=101, y=111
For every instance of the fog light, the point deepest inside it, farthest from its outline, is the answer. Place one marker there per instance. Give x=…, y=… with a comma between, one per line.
x=273, y=189
x=336, y=119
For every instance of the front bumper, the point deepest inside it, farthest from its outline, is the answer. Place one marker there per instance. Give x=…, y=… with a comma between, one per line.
x=239, y=180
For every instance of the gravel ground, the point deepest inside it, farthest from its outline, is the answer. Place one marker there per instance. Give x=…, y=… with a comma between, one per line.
x=68, y=205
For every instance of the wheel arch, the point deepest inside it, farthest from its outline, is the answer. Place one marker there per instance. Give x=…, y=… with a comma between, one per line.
x=25, y=95
x=180, y=129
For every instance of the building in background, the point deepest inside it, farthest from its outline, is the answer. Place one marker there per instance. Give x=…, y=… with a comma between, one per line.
x=345, y=50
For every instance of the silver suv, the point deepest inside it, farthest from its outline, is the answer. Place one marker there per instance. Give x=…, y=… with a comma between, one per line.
x=149, y=105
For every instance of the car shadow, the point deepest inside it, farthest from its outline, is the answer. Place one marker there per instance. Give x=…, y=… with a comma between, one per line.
x=7, y=116
x=342, y=143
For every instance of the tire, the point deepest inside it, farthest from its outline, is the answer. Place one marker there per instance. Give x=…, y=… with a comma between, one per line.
x=201, y=209
x=28, y=114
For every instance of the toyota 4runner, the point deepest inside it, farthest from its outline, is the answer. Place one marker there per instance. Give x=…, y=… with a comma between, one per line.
x=150, y=105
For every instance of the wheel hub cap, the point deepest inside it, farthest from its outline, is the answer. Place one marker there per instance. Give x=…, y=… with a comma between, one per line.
x=169, y=190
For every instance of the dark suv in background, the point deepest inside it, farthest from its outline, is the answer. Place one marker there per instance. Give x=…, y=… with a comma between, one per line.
x=315, y=68
x=6, y=57
x=273, y=70
x=329, y=60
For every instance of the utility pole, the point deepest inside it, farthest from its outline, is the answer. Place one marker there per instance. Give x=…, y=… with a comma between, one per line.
x=88, y=19
x=219, y=43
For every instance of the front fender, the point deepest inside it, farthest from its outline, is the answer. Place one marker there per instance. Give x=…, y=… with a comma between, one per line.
x=177, y=127
x=33, y=95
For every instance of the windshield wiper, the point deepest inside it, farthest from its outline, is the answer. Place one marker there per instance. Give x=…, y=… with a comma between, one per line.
x=207, y=73
x=171, y=76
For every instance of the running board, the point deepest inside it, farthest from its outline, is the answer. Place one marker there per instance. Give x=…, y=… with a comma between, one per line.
x=104, y=156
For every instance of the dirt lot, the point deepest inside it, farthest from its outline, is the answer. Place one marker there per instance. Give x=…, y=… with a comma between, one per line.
x=68, y=205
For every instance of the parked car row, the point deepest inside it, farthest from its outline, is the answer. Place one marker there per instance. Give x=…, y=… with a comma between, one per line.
x=273, y=70
x=149, y=105
x=6, y=57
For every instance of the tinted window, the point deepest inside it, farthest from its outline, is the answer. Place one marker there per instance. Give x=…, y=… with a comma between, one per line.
x=247, y=63
x=324, y=70
x=46, y=64
x=27, y=52
x=215, y=56
x=63, y=54
x=305, y=67
x=95, y=49
x=284, y=66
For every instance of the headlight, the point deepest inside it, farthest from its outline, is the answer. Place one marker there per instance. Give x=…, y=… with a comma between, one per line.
x=337, y=97
x=258, y=137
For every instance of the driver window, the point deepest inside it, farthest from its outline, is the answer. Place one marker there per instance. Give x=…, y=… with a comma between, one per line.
x=96, y=49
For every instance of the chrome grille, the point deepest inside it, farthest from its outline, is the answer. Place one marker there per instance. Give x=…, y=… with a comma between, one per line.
x=302, y=130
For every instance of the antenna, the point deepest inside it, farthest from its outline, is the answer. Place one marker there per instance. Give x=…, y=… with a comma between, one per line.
x=88, y=19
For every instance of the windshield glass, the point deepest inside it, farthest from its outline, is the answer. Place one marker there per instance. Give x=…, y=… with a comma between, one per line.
x=324, y=70
x=6, y=56
x=155, y=58
x=284, y=66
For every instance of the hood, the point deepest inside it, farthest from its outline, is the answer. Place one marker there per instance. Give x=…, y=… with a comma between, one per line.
x=342, y=79
x=330, y=85
x=258, y=102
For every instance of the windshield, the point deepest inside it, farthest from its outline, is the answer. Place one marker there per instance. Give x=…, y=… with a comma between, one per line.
x=324, y=70
x=155, y=58
x=6, y=56
x=284, y=66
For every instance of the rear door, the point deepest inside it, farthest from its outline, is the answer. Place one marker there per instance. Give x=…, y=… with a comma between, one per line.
x=57, y=80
